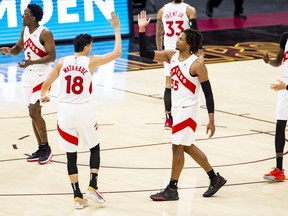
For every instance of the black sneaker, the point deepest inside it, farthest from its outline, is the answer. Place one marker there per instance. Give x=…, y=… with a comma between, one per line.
x=166, y=195
x=215, y=185
x=46, y=154
x=35, y=156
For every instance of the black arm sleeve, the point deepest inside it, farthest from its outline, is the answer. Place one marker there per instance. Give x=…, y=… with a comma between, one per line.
x=193, y=24
x=208, y=96
x=143, y=47
x=283, y=40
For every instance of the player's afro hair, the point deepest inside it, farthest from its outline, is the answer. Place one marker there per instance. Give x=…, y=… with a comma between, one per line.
x=36, y=11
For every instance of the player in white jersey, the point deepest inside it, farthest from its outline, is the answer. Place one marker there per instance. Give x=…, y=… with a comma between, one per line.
x=277, y=174
x=76, y=119
x=172, y=18
x=39, y=49
x=187, y=75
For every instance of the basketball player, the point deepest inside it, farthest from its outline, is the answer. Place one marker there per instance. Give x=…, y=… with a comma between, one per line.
x=39, y=48
x=277, y=174
x=172, y=18
x=188, y=73
x=75, y=115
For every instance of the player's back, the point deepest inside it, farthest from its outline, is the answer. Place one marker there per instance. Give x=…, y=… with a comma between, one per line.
x=174, y=21
x=75, y=80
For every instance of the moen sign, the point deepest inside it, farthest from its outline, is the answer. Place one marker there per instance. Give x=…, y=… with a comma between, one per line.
x=65, y=18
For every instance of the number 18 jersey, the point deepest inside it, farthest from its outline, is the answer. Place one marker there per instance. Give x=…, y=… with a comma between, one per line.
x=174, y=21
x=75, y=85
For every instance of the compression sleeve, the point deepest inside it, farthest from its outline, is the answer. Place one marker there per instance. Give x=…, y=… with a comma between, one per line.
x=193, y=24
x=143, y=47
x=208, y=96
x=283, y=40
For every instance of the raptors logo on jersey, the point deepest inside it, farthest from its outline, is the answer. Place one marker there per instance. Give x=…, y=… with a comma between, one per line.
x=183, y=84
x=33, y=49
x=75, y=80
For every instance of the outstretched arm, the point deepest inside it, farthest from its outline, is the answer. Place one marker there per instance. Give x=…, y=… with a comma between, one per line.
x=144, y=52
x=116, y=53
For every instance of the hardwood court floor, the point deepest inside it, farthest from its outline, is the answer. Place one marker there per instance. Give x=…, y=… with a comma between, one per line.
x=136, y=150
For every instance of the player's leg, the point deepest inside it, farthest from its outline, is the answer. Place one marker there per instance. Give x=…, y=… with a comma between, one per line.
x=171, y=192
x=79, y=201
x=92, y=191
x=90, y=137
x=277, y=174
x=216, y=181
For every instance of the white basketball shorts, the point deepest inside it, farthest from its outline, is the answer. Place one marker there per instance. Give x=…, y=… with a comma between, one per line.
x=32, y=81
x=184, y=124
x=282, y=105
x=76, y=121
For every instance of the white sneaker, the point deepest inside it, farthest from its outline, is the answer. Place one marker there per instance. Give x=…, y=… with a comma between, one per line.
x=80, y=203
x=95, y=195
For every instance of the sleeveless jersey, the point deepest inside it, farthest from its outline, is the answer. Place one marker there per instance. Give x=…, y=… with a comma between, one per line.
x=185, y=88
x=285, y=61
x=174, y=21
x=75, y=80
x=33, y=49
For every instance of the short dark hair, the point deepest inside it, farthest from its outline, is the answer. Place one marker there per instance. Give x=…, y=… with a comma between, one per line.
x=36, y=11
x=194, y=39
x=80, y=41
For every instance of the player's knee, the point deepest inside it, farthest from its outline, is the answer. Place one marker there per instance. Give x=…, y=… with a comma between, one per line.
x=72, y=163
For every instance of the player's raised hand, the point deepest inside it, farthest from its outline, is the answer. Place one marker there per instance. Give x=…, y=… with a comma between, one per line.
x=114, y=20
x=142, y=21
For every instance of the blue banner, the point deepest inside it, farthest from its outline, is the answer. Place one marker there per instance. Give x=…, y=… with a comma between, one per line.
x=65, y=18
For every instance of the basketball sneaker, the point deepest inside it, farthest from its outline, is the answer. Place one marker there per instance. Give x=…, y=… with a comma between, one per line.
x=46, y=154
x=35, y=156
x=167, y=194
x=215, y=185
x=168, y=123
x=94, y=195
x=80, y=203
x=275, y=175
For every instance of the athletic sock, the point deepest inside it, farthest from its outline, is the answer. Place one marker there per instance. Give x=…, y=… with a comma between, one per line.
x=279, y=161
x=93, y=180
x=173, y=183
x=211, y=174
x=76, y=190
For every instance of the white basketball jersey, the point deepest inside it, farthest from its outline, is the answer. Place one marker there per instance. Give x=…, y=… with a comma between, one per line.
x=285, y=62
x=185, y=88
x=75, y=84
x=33, y=49
x=174, y=21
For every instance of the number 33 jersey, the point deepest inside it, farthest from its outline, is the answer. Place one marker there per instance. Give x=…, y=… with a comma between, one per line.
x=174, y=21
x=75, y=85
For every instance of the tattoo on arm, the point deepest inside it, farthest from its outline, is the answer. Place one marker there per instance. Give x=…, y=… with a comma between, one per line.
x=159, y=34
